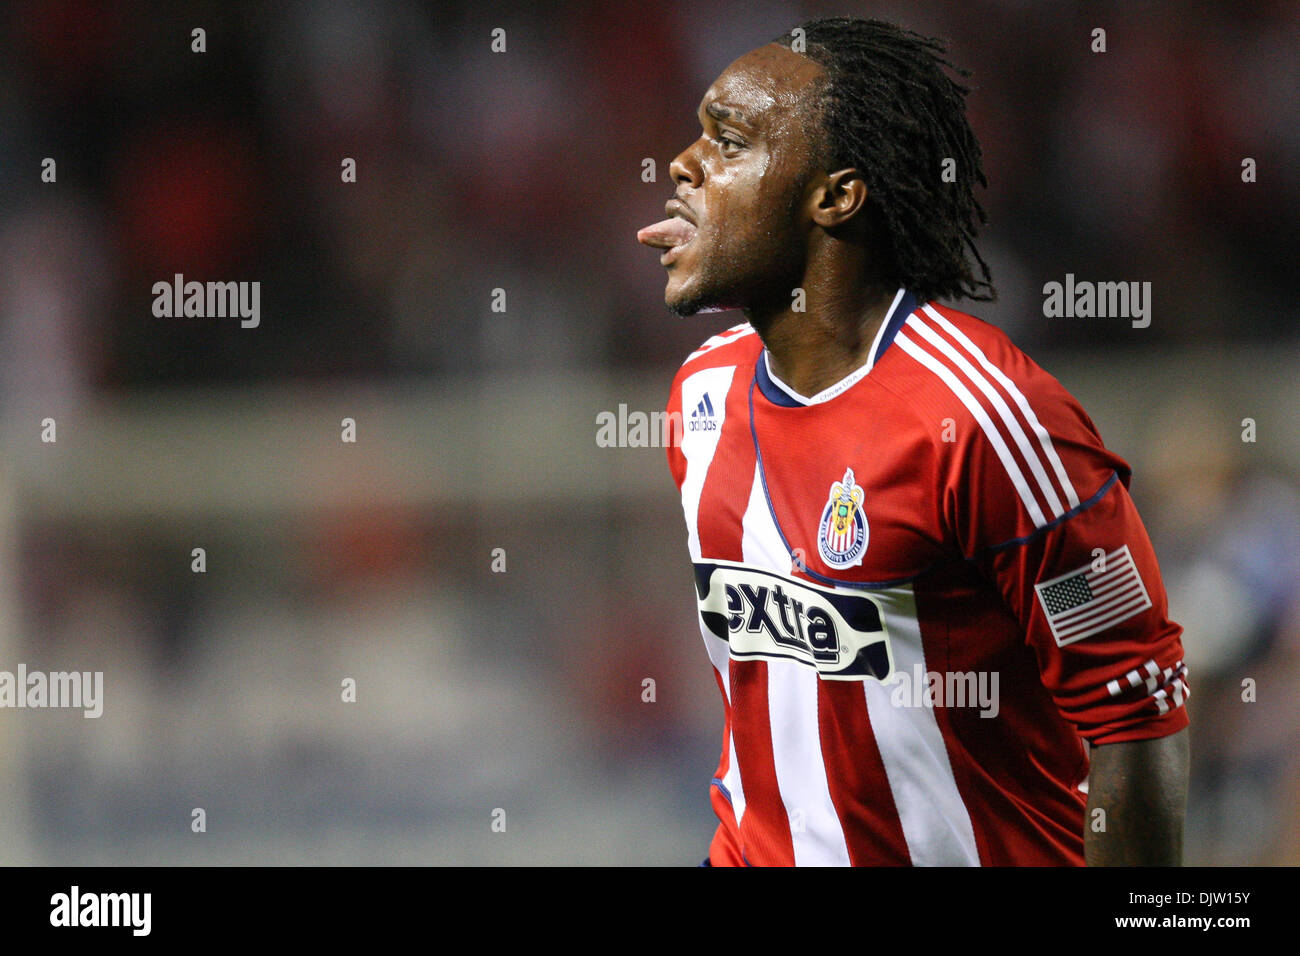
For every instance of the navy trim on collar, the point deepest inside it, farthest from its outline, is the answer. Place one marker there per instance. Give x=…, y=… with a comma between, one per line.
x=775, y=394
x=771, y=391
x=906, y=306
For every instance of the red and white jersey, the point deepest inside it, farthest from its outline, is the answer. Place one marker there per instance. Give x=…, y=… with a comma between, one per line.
x=921, y=590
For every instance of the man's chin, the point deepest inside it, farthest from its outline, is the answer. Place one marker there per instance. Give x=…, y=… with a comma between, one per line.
x=686, y=305
x=686, y=311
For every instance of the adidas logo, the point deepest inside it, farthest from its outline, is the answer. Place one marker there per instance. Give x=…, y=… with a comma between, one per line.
x=703, y=418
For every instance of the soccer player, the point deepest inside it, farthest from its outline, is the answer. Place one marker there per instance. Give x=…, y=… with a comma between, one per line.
x=933, y=612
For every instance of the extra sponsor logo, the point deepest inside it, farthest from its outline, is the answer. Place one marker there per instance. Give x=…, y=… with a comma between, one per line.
x=768, y=616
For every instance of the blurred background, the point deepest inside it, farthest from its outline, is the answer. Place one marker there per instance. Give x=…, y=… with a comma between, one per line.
x=521, y=689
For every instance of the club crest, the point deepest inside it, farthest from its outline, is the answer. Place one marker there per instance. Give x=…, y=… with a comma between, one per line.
x=842, y=536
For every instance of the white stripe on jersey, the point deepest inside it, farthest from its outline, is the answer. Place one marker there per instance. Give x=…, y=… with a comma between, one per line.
x=815, y=829
x=1013, y=425
x=1044, y=439
x=934, y=817
x=698, y=448
x=732, y=780
x=981, y=416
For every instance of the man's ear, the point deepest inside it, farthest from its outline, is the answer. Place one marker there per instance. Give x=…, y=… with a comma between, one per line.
x=839, y=197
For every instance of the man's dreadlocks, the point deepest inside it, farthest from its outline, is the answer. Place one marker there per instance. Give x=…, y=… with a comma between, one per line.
x=888, y=109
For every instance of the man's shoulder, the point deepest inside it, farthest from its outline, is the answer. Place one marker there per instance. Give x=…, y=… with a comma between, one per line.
x=731, y=346
x=997, y=420
x=943, y=357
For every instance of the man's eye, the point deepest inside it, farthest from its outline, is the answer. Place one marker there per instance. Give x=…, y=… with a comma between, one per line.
x=729, y=143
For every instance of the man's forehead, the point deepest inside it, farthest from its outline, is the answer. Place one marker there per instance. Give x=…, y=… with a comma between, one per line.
x=764, y=78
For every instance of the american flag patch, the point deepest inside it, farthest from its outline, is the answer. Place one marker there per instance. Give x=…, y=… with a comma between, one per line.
x=1083, y=602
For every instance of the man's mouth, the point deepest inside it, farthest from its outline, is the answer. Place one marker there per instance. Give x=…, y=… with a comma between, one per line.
x=672, y=233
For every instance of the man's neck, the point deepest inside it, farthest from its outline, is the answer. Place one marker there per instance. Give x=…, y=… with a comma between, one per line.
x=812, y=350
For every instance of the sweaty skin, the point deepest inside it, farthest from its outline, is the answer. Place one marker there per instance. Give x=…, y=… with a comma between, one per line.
x=771, y=219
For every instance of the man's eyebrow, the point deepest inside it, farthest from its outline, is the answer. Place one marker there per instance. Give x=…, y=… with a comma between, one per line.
x=725, y=114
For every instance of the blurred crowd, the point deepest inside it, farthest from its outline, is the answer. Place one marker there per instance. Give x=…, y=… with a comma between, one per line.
x=522, y=170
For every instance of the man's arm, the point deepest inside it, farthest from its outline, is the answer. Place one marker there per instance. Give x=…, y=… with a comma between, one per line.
x=1142, y=787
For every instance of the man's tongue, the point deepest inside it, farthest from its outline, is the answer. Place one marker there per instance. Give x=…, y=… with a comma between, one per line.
x=666, y=234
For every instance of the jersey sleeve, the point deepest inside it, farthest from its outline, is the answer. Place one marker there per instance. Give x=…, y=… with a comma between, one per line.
x=1043, y=508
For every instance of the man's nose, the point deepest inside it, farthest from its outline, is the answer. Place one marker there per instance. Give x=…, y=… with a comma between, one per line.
x=685, y=169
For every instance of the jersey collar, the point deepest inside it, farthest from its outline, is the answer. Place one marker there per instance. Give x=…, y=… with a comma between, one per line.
x=779, y=393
